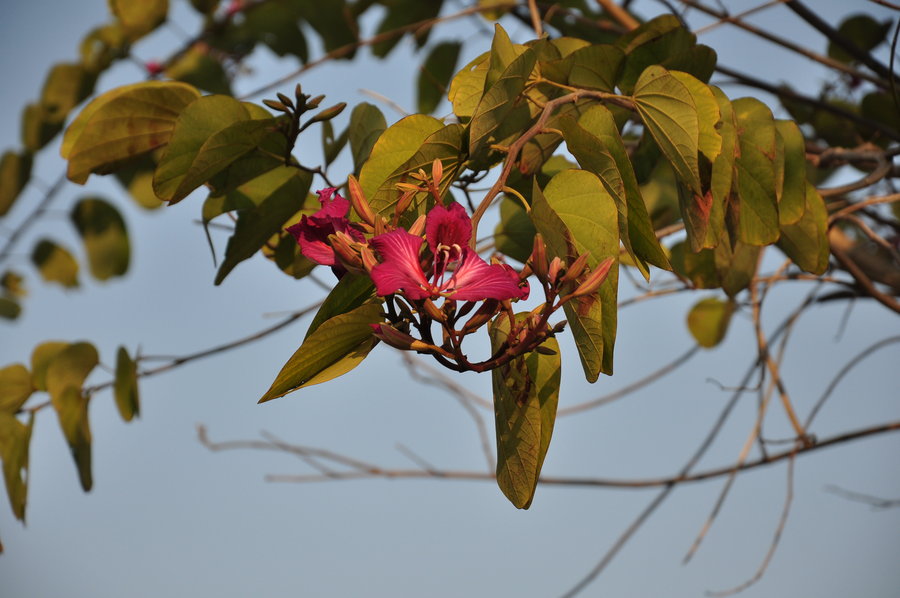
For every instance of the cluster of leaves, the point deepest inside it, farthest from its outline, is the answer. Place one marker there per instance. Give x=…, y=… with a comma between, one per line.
x=655, y=146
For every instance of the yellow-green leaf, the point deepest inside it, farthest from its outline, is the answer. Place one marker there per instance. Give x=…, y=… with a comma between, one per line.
x=15, y=172
x=41, y=357
x=667, y=108
x=366, y=125
x=526, y=394
x=792, y=200
x=105, y=237
x=198, y=68
x=756, y=181
x=335, y=348
x=434, y=75
x=708, y=320
x=15, y=438
x=55, y=263
x=15, y=387
x=9, y=308
x=67, y=84
x=467, y=87
x=806, y=241
x=125, y=386
x=141, y=17
x=123, y=123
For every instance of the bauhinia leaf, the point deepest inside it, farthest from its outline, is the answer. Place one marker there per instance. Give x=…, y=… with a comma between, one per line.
x=666, y=107
x=350, y=292
x=125, y=386
x=55, y=263
x=397, y=144
x=366, y=125
x=121, y=124
x=526, y=393
x=15, y=387
x=806, y=241
x=336, y=347
x=792, y=200
x=105, y=237
x=15, y=172
x=435, y=74
x=139, y=18
x=708, y=320
x=756, y=181
x=15, y=438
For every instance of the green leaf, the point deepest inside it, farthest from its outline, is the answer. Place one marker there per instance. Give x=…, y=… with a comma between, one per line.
x=526, y=394
x=497, y=101
x=350, y=292
x=38, y=128
x=41, y=357
x=735, y=266
x=806, y=241
x=861, y=30
x=595, y=142
x=123, y=123
x=755, y=181
x=576, y=215
x=276, y=195
x=366, y=125
x=397, y=144
x=198, y=68
x=15, y=172
x=467, y=87
x=209, y=135
x=514, y=234
x=15, y=438
x=708, y=321
x=435, y=74
x=137, y=178
x=9, y=308
x=446, y=145
x=331, y=145
x=276, y=24
x=335, y=348
x=15, y=387
x=596, y=67
x=709, y=118
x=139, y=18
x=101, y=46
x=707, y=234
x=67, y=84
x=12, y=284
x=55, y=263
x=65, y=376
x=105, y=237
x=125, y=386
x=667, y=109
x=402, y=13
x=792, y=201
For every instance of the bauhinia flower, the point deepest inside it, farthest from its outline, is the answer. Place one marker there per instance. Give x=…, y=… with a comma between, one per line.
x=455, y=270
x=312, y=232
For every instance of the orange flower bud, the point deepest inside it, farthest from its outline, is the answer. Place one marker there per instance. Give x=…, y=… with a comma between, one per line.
x=595, y=278
x=359, y=202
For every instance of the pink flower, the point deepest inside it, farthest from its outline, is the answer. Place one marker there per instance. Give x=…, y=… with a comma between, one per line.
x=312, y=231
x=448, y=231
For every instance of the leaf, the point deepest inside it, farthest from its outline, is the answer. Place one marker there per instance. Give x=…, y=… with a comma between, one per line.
x=67, y=84
x=123, y=123
x=15, y=387
x=792, y=201
x=209, y=135
x=736, y=265
x=446, y=145
x=55, y=263
x=125, y=386
x=434, y=75
x=12, y=284
x=65, y=376
x=276, y=24
x=139, y=18
x=596, y=67
x=595, y=142
x=38, y=128
x=806, y=241
x=15, y=172
x=198, y=68
x=576, y=215
x=41, y=357
x=699, y=267
x=276, y=195
x=397, y=144
x=402, y=13
x=709, y=117
x=708, y=321
x=335, y=348
x=137, y=178
x=526, y=394
x=755, y=181
x=331, y=145
x=467, y=87
x=350, y=292
x=9, y=308
x=15, y=438
x=668, y=111
x=105, y=237
x=514, y=234
x=366, y=125
x=861, y=30
x=498, y=100
x=721, y=180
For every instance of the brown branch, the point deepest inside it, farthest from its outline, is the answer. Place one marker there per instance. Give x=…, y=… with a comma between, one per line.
x=32, y=217
x=622, y=16
x=873, y=501
x=740, y=15
x=861, y=277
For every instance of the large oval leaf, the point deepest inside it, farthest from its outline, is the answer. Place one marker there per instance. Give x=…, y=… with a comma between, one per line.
x=105, y=237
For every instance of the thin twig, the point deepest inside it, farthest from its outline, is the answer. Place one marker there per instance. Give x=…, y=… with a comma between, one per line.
x=7, y=249
x=873, y=501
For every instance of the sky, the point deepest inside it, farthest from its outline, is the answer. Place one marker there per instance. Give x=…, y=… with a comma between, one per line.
x=169, y=517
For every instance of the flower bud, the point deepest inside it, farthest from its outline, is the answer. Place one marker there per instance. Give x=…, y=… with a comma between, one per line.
x=594, y=279
x=397, y=339
x=482, y=316
x=437, y=171
x=359, y=202
x=539, y=264
x=368, y=258
x=553, y=270
x=574, y=271
x=432, y=311
x=343, y=246
x=418, y=227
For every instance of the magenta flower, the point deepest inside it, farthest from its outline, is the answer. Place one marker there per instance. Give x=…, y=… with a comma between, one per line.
x=448, y=231
x=312, y=231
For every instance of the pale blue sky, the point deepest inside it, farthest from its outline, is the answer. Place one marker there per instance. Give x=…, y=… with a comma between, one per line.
x=168, y=518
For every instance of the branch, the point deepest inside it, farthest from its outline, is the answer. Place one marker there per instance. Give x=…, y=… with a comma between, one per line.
x=31, y=218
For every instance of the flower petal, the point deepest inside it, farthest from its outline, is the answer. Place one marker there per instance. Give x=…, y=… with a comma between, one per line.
x=476, y=280
x=448, y=226
x=311, y=234
x=333, y=205
x=399, y=269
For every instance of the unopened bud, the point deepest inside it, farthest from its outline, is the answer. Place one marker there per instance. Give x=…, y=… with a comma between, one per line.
x=276, y=106
x=553, y=270
x=285, y=100
x=404, y=202
x=418, y=227
x=314, y=102
x=437, y=171
x=482, y=316
x=594, y=279
x=432, y=310
x=368, y=258
x=359, y=202
x=538, y=261
x=349, y=257
x=397, y=339
x=574, y=271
